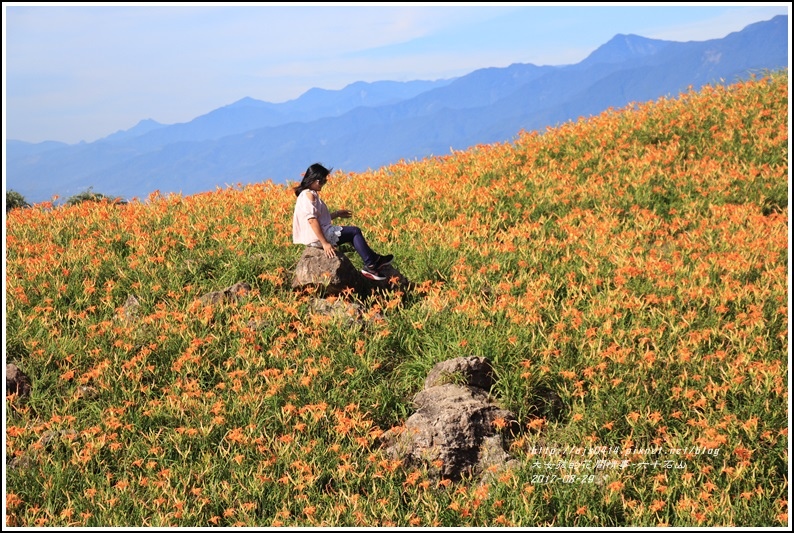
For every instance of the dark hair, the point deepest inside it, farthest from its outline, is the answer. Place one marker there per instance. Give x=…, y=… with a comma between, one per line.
x=313, y=173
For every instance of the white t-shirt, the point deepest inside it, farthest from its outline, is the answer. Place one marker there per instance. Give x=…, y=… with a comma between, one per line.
x=310, y=205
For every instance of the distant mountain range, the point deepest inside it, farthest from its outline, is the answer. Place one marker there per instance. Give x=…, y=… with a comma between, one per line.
x=370, y=125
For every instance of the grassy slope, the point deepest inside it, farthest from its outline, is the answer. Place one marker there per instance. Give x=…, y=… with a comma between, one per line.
x=633, y=264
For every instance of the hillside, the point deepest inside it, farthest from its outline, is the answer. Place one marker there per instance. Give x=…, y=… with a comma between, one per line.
x=626, y=275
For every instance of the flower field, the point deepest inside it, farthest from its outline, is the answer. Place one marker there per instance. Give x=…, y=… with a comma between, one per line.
x=632, y=265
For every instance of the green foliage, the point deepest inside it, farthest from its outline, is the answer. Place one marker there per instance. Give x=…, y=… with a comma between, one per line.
x=15, y=200
x=90, y=196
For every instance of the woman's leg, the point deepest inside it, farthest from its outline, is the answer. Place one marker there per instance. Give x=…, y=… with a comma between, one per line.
x=353, y=234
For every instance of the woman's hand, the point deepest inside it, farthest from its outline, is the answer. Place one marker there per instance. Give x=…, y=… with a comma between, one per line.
x=342, y=213
x=329, y=250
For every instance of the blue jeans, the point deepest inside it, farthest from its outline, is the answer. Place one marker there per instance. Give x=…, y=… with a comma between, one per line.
x=353, y=235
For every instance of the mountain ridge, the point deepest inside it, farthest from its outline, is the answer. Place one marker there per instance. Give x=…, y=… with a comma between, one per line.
x=231, y=144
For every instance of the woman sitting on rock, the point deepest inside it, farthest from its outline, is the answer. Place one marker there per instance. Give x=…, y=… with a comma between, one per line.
x=311, y=224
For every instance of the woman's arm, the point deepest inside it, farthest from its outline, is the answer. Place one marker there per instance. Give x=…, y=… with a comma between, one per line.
x=341, y=213
x=327, y=246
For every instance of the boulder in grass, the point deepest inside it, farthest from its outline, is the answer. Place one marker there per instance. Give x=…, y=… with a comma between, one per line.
x=473, y=371
x=456, y=425
x=337, y=275
x=344, y=311
x=17, y=382
x=230, y=294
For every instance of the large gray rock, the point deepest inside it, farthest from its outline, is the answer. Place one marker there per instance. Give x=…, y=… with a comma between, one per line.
x=231, y=294
x=16, y=381
x=456, y=424
x=474, y=371
x=336, y=275
x=343, y=311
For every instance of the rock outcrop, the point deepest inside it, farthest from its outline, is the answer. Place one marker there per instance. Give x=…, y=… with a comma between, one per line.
x=230, y=294
x=336, y=275
x=456, y=424
x=17, y=382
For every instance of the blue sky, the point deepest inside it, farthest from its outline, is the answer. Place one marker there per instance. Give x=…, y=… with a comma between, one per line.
x=74, y=72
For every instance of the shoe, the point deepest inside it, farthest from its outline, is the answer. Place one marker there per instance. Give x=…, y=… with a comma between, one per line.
x=372, y=273
x=383, y=260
